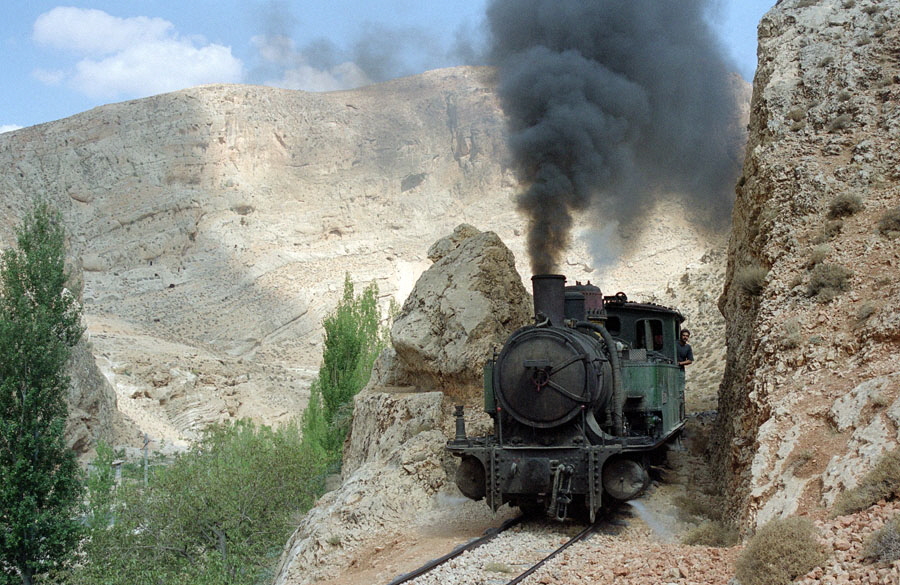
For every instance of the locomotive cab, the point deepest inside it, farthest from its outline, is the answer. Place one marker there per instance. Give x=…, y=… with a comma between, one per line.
x=653, y=382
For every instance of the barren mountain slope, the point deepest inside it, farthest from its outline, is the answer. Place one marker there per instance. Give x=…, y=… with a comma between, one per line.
x=215, y=226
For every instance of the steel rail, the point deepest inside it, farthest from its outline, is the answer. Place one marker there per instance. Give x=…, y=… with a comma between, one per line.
x=577, y=538
x=467, y=546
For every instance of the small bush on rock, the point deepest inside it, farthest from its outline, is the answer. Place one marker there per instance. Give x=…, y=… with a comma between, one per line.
x=881, y=483
x=818, y=255
x=751, y=279
x=865, y=311
x=827, y=281
x=781, y=551
x=829, y=231
x=842, y=122
x=845, y=204
x=792, y=335
x=889, y=224
x=712, y=533
x=884, y=545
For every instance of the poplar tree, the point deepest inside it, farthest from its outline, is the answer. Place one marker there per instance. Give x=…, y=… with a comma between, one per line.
x=40, y=481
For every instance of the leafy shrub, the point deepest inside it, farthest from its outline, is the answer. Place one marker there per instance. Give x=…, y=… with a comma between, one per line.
x=779, y=552
x=889, y=224
x=220, y=513
x=882, y=482
x=845, y=204
x=751, y=279
x=884, y=545
x=712, y=533
x=827, y=281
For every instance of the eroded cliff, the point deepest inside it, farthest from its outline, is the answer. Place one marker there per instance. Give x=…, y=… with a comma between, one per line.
x=811, y=300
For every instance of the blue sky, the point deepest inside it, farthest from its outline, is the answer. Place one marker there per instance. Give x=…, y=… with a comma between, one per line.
x=59, y=59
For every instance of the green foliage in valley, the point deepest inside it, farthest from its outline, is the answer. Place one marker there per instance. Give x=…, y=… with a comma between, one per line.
x=222, y=511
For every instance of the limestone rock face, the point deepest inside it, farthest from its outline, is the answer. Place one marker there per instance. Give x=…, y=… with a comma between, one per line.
x=807, y=401
x=93, y=415
x=390, y=489
x=461, y=308
x=216, y=224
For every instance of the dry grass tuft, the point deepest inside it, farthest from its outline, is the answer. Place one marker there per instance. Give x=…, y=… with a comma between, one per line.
x=889, y=224
x=826, y=281
x=845, y=204
x=712, y=533
x=751, y=279
x=781, y=551
x=881, y=483
x=884, y=545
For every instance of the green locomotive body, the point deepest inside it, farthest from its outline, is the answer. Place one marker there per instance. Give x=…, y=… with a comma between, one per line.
x=582, y=403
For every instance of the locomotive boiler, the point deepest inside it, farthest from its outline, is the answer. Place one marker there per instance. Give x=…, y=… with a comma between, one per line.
x=583, y=402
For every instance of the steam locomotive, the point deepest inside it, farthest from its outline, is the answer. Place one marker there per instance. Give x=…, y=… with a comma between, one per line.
x=584, y=402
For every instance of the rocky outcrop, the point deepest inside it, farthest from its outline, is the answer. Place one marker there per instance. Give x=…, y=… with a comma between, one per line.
x=468, y=301
x=811, y=292
x=93, y=415
x=383, y=495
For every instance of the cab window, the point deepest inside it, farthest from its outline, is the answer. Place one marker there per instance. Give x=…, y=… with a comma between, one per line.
x=649, y=334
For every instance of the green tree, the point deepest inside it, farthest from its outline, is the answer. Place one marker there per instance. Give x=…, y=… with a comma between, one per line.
x=354, y=337
x=40, y=481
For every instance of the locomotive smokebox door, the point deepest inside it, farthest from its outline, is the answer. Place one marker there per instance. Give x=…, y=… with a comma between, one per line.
x=544, y=377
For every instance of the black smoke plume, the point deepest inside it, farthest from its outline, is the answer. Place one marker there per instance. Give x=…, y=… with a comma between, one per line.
x=612, y=103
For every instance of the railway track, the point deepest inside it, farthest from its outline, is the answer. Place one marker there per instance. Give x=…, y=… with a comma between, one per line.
x=441, y=570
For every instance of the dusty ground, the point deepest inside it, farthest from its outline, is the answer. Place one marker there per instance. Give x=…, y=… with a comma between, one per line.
x=653, y=521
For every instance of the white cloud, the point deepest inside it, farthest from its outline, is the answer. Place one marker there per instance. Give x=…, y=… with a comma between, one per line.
x=9, y=128
x=94, y=32
x=157, y=67
x=48, y=77
x=130, y=57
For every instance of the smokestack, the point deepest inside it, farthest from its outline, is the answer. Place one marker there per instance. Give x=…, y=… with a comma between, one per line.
x=612, y=104
x=549, y=297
